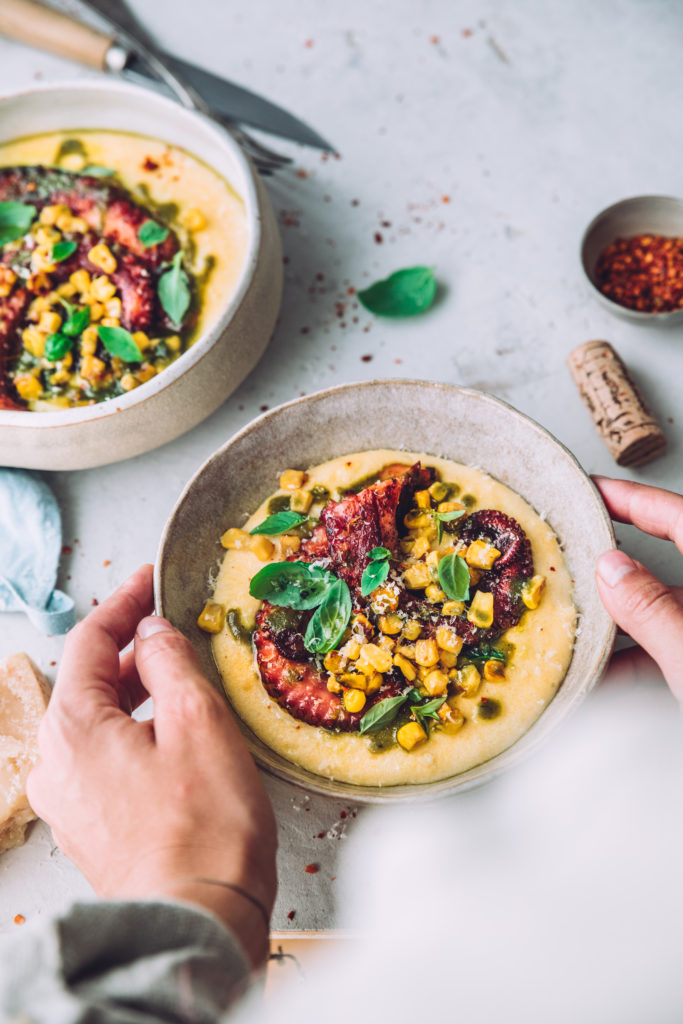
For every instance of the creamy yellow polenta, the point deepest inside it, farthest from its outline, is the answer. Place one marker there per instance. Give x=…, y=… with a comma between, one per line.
x=542, y=642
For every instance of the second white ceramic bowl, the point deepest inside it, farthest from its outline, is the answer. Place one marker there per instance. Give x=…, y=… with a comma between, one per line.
x=202, y=378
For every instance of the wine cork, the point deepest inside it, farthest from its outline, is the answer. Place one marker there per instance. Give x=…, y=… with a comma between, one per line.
x=624, y=421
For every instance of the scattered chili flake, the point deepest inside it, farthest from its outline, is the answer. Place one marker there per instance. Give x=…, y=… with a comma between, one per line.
x=52, y=664
x=366, y=359
x=95, y=602
x=291, y=915
x=149, y=165
x=66, y=550
x=642, y=272
x=312, y=869
x=263, y=408
x=308, y=43
x=305, y=330
x=301, y=173
x=107, y=561
x=321, y=835
x=552, y=568
x=19, y=919
x=466, y=33
x=445, y=199
x=319, y=276
x=342, y=814
x=351, y=290
x=355, y=202
x=378, y=237
x=434, y=40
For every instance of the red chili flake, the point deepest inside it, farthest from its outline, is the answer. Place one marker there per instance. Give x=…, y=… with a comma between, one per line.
x=319, y=276
x=301, y=173
x=149, y=165
x=378, y=238
x=95, y=602
x=351, y=290
x=312, y=869
x=366, y=359
x=552, y=568
x=321, y=835
x=107, y=561
x=445, y=199
x=19, y=919
x=642, y=272
x=66, y=550
x=308, y=43
x=434, y=40
x=263, y=408
x=52, y=664
x=466, y=33
x=355, y=202
x=305, y=330
x=291, y=915
x=342, y=814
x=386, y=223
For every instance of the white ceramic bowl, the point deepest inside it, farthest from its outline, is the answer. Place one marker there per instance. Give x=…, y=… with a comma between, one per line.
x=202, y=378
x=414, y=416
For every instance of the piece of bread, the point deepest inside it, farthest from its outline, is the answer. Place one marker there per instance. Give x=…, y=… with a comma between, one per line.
x=24, y=693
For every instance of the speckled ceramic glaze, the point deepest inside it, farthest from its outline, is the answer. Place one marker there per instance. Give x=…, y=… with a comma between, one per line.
x=203, y=377
x=456, y=423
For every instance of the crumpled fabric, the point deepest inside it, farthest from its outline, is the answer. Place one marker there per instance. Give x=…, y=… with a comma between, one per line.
x=30, y=546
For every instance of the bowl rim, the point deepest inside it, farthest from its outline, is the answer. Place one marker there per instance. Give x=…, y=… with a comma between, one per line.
x=403, y=793
x=205, y=341
x=614, y=307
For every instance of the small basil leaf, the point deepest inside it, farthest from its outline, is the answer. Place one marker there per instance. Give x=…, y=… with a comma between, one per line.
x=15, y=220
x=454, y=577
x=174, y=291
x=446, y=517
x=403, y=293
x=279, y=522
x=330, y=619
x=382, y=713
x=373, y=576
x=97, y=171
x=150, y=233
x=62, y=250
x=57, y=346
x=379, y=553
x=76, y=322
x=424, y=712
x=291, y=584
x=484, y=652
x=119, y=342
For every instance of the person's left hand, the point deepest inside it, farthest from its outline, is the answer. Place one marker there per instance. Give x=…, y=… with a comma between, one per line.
x=150, y=808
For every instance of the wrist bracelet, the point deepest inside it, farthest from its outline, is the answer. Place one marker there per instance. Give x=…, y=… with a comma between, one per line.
x=228, y=885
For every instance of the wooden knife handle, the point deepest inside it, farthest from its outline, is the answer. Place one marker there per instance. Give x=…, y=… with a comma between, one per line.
x=32, y=23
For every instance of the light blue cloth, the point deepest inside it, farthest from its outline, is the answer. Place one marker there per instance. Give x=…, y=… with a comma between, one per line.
x=30, y=546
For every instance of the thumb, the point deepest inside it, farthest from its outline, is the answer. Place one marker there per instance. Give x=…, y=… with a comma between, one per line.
x=184, y=699
x=646, y=610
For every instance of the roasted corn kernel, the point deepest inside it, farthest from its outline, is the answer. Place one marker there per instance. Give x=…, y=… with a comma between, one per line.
x=353, y=700
x=375, y=657
x=468, y=680
x=423, y=499
x=103, y=258
x=417, y=576
x=436, y=683
x=448, y=640
x=262, y=547
x=480, y=612
x=390, y=624
x=292, y=480
x=301, y=501
x=532, y=591
x=405, y=666
x=481, y=555
x=235, y=539
x=426, y=652
x=212, y=617
x=410, y=734
x=412, y=629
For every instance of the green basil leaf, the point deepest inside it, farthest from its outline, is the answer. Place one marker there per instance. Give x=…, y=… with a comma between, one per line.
x=403, y=293
x=292, y=584
x=382, y=713
x=424, y=712
x=76, y=319
x=485, y=652
x=174, y=291
x=374, y=574
x=57, y=346
x=379, y=553
x=119, y=342
x=15, y=220
x=330, y=619
x=279, y=522
x=446, y=517
x=62, y=250
x=150, y=233
x=97, y=171
x=454, y=577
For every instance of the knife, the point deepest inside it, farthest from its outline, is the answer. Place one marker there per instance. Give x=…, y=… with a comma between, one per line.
x=48, y=29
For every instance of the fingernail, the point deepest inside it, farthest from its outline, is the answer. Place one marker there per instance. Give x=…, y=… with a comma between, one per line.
x=151, y=625
x=613, y=566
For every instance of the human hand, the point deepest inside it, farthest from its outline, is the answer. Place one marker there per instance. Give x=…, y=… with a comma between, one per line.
x=639, y=603
x=149, y=808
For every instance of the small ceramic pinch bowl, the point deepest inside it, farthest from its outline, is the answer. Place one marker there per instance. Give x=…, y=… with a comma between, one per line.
x=198, y=381
x=640, y=215
x=408, y=415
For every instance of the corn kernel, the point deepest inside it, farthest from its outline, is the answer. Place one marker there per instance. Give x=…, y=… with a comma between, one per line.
x=102, y=289
x=89, y=340
x=80, y=279
x=407, y=544
x=372, y=655
x=452, y=718
x=333, y=685
x=28, y=386
x=532, y=591
x=7, y=281
x=384, y=599
x=468, y=680
x=353, y=700
x=301, y=501
x=417, y=576
x=475, y=575
x=423, y=499
x=289, y=545
x=66, y=290
x=173, y=342
x=92, y=369
x=390, y=624
x=333, y=661
x=434, y=594
x=65, y=221
x=406, y=668
x=49, y=322
x=47, y=236
x=387, y=643
x=235, y=539
x=432, y=559
x=110, y=321
x=41, y=259
x=145, y=373
x=436, y=683
x=426, y=652
x=412, y=629
x=480, y=612
x=49, y=214
x=103, y=258
x=59, y=377
x=448, y=640
x=262, y=547
x=292, y=480
x=73, y=161
x=415, y=520
x=448, y=659
x=407, y=650
x=439, y=490
x=453, y=608
x=193, y=219
x=351, y=650
x=481, y=555
x=39, y=282
x=449, y=506
x=34, y=341
x=374, y=684
x=494, y=670
x=361, y=624
x=113, y=307
x=97, y=311
x=212, y=617
x=410, y=734
x=128, y=382
x=66, y=362
x=420, y=547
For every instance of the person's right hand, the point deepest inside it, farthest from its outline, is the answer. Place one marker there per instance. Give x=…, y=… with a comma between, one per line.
x=639, y=603
x=152, y=808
